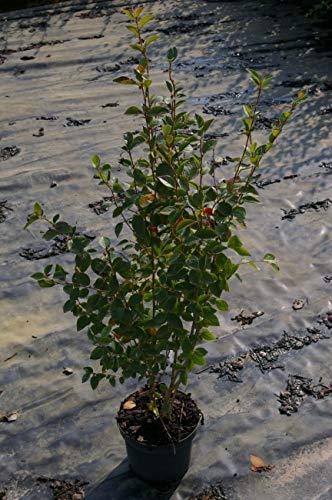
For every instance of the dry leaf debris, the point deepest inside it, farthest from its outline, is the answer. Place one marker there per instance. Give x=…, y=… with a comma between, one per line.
x=247, y=319
x=129, y=405
x=9, y=417
x=265, y=356
x=297, y=389
x=67, y=371
x=258, y=464
x=298, y=304
x=213, y=492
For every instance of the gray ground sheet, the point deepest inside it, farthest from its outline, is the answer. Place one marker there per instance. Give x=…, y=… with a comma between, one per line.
x=59, y=106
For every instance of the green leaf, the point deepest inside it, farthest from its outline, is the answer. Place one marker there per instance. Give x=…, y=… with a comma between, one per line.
x=95, y=161
x=84, y=292
x=64, y=228
x=46, y=283
x=30, y=220
x=83, y=261
x=207, y=124
x=145, y=20
x=48, y=268
x=208, y=278
x=205, y=233
x=69, y=305
x=105, y=242
x=97, y=353
x=132, y=29
x=236, y=244
x=88, y=372
x=224, y=209
x=117, y=211
x=38, y=210
x=82, y=322
x=139, y=226
x=139, y=176
x=151, y=39
x=172, y=54
x=247, y=109
x=138, y=11
x=239, y=213
x=78, y=244
x=50, y=234
x=94, y=381
x=37, y=276
x=207, y=335
x=128, y=13
x=99, y=266
x=201, y=351
x=124, y=80
x=268, y=257
x=184, y=224
x=222, y=230
x=198, y=358
x=208, y=145
x=222, y=305
x=211, y=320
x=81, y=279
x=122, y=267
x=158, y=110
x=133, y=110
x=118, y=228
x=252, y=264
x=167, y=180
x=254, y=76
x=59, y=273
x=138, y=47
x=169, y=86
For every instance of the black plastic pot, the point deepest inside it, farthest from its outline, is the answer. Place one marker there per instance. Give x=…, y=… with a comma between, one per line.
x=158, y=464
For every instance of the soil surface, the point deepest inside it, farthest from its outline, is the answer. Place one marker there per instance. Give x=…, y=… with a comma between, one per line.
x=140, y=423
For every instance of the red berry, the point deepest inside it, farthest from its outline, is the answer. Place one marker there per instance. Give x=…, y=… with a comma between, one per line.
x=208, y=211
x=153, y=229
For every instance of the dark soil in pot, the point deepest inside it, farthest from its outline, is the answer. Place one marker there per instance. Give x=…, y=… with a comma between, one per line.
x=138, y=422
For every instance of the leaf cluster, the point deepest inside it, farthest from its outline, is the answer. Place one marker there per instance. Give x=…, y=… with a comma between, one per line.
x=149, y=301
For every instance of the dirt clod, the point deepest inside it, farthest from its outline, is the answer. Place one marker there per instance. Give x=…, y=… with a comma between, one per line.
x=297, y=389
x=8, y=152
x=40, y=133
x=4, y=209
x=265, y=356
x=247, y=319
x=101, y=206
x=65, y=490
x=306, y=207
x=213, y=492
x=57, y=247
x=72, y=122
x=110, y=105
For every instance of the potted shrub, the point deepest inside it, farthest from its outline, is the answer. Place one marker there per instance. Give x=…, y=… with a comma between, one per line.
x=149, y=302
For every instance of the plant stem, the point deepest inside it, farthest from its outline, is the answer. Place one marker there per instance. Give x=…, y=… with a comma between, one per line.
x=237, y=170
